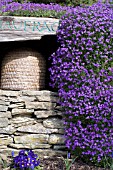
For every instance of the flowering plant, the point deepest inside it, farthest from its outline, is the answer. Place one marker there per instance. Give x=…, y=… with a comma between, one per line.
x=82, y=70
x=26, y=160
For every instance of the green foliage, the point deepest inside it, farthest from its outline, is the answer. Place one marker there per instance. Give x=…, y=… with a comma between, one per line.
x=68, y=162
x=39, y=13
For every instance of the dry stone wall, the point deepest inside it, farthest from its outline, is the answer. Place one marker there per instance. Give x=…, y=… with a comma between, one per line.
x=31, y=119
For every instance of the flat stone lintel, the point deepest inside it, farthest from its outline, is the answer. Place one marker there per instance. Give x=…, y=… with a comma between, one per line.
x=14, y=28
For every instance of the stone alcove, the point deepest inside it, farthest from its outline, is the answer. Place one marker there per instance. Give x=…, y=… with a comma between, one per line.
x=31, y=119
x=46, y=46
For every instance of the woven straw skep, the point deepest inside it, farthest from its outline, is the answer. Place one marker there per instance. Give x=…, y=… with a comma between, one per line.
x=23, y=69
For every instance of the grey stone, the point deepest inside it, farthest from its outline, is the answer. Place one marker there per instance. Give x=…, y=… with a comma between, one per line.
x=5, y=114
x=47, y=98
x=49, y=152
x=3, y=108
x=10, y=93
x=59, y=147
x=22, y=111
x=53, y=123
x=56, y=139
x=30, y=146
x=7, y=130
x=22, y=120
x=38, y=93
x=61, y=131
x=32, y=139
x=6, y=141
x=3, y=122
x=40, y=105
x=45, y=114
x=3, y=102
x=26, y=98
x=37, y=128
x=17, y=105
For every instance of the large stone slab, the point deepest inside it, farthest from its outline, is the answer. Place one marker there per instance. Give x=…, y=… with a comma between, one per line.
x=22, y=111
x=3, y=122
x=56, y=139
x=3, y=108
x=32, y=138
x=14, y=28
x=7, y=130
x=45, y=114
x=6, y=114
x=30, y=146
x=40, y=105
x=53, y=123
x=6, y=140
x=37, y=128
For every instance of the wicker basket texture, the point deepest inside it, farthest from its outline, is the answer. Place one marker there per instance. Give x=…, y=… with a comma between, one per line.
x=23, y=69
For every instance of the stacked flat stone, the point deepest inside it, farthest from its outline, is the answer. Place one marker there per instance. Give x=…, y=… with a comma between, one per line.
x=31, y=119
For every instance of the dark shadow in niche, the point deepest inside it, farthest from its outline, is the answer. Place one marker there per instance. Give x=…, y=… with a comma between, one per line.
x=46, y=46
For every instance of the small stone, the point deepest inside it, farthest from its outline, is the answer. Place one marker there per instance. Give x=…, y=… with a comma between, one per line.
x=40, y=105
x=61, y=131
x=45, y=113
x=30, y=146
x=53, y=123
x=10, y=93
x=37, y=128
x=7, y=130
x=22, y=111
x=32, y=138
x=56, y=139
x=17, y=105
x=3, y=102
x=47, y=98
x=59, y=147
x=3, y=108
x=6, y=141
x=5, y=114
x=3, y=122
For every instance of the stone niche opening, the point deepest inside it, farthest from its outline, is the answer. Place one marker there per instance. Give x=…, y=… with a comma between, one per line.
x=9, y=51
x=31, y=119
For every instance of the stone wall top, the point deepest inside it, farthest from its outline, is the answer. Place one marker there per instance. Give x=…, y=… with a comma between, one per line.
x=14, y=28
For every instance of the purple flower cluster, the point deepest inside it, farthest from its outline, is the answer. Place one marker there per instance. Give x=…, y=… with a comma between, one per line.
x=15, y=6
x=82, y=70
x=26, y=159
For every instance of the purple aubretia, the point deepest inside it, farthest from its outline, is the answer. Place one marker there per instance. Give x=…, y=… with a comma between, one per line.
x=26, y=159
x=82, y=70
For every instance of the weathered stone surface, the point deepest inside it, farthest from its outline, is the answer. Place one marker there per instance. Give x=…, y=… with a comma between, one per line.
x=22, y=111
x=37, y=128
x=32, y=138
x=30, y=146
x=15, y=28
x=49, y=152
x=61, y=131
x=3, y=102
x=3, y=122
x=10, y=93
x=5, y=114
x=59, y=147
x=53, y=123
x=6, y=140
x=56, y=139
x=17, y=105
x=47, y=98
x=45, y=114
x=27, y=98
x=39, y=93
x=31, y=119
x=40, y=105
x=7, y=130
x=22, y=121
x=3, y=108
